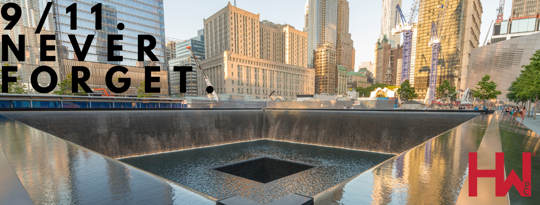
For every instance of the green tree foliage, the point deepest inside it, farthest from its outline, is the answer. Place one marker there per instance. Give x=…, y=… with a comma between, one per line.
x=14, y=87
x=366, y=92
x=446, y=92
x=141, y=91
x=527, y=86
x=513, y=94
x=64, y=87
x=486, y=90
x=406, y=92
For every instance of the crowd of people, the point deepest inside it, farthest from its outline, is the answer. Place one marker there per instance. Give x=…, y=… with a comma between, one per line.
x=516, y=111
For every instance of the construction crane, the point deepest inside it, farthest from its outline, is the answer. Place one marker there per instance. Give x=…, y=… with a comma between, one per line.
x=500, y=11
x=104, y=92
x=435, y=44
x=214, y=95
x=407, y=29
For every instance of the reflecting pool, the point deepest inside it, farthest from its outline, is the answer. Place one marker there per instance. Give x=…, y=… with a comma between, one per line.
x=195, y=168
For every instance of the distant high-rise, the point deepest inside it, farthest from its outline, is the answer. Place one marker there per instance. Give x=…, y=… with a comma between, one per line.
x=388, y=19
x=387, y=62
x=183, y=57
x=321, y=26
x=344, y=44
x=326, y=73
x=522, y=9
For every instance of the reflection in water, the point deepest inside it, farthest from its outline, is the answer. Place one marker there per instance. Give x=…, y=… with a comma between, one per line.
x=431, y=173
x=516, y=139
x=54, y=171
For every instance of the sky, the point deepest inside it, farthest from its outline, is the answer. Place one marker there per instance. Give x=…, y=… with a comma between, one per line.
x=183, y=18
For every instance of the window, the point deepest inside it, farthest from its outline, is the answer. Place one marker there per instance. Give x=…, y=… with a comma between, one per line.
x=5, y=104
x=20, y=104
x=45, y=104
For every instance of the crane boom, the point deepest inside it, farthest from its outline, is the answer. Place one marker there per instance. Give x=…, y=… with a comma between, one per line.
x=500, y=11
x=407, y=29
x=214, y=95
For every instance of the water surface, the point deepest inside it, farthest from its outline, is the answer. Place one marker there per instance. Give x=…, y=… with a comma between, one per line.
x=193, y=168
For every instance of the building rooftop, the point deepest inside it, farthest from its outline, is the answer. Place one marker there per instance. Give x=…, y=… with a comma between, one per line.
x=355, y=73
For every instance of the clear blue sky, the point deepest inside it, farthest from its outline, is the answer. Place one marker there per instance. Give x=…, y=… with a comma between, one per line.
x=183, y=18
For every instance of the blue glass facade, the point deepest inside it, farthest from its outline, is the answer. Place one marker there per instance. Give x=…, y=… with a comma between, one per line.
x=321, y=26
x=139, y=17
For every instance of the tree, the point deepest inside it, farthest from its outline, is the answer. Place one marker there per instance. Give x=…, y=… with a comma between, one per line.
x=64, y=87
x=486, y=90
x=141, y=91
x=14, y=87
x=446, y=92
x=367, y=91
x=527, y=85
x=406, y=92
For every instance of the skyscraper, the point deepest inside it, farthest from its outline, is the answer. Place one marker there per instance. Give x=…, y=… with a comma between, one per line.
x=461, y=32
x=388, y=19
x=138, y=19
x=27, y=26
x=321, y=26
x=344, y=44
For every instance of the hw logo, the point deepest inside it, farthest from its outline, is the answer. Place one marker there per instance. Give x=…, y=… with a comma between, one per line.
x=501, y=186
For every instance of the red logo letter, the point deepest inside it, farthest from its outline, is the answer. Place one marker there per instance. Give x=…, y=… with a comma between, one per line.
x=501, y=186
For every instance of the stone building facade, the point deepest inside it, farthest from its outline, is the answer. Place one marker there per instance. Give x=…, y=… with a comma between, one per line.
x=247, y=57
x=502, y=61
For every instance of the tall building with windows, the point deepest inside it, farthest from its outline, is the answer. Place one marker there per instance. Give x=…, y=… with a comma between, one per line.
x=321, y=26
x=27, y=26
x=344, y=45
x=388, y=18
x=138, y=17
x=283, y=43
x=183, y=57
x=388, y=59
x=326, y=72
x=342, y=80
x=461, y=32
x=524, y=9
x=242, y=57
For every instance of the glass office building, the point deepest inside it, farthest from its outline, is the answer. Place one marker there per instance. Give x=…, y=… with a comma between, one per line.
x=321, y=26
x=31, y=12
x=139, y=18
x=184, y=58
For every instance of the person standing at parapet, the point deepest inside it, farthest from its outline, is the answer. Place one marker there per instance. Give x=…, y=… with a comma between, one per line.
x=522, y=114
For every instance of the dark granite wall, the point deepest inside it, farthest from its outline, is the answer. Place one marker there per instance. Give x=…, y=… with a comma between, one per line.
x=120, y=134
x=379, y=131
x=128, y=133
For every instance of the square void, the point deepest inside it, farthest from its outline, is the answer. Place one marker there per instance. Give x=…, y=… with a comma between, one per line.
x=264, y=169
